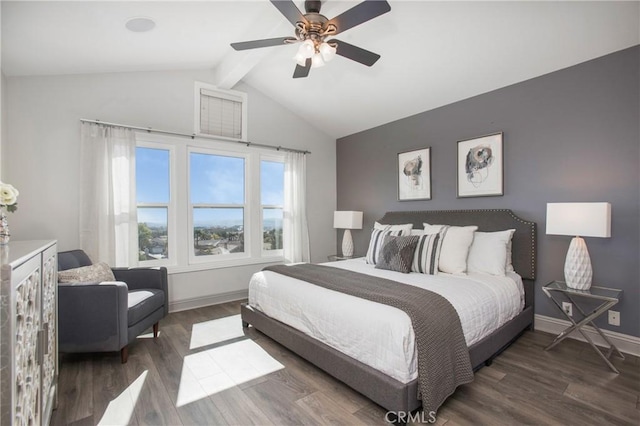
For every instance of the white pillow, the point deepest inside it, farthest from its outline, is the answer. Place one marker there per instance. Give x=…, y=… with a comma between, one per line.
x=431, y=229
x=509, y=255
x=406, y=228
x=455, y=247
x=488, y=253
x=417, y=232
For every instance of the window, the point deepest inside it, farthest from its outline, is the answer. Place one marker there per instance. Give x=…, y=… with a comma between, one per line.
x=272, y=203
x=204, y=204
x=217, y=192
x=153, y=202
x=220, y=113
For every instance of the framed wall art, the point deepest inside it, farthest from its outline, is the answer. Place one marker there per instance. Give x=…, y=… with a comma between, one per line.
x=414, y=175
x=481, y=166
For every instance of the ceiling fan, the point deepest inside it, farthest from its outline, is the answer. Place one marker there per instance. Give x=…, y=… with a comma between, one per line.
x=312, y=30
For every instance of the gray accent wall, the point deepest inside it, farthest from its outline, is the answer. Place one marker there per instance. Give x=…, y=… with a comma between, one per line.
x=569, y=136
x=3, y=121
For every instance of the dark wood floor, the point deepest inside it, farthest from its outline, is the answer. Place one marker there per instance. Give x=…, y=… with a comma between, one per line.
x=172, y=380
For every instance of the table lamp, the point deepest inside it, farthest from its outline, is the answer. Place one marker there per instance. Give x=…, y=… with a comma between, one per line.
x=579, y=219
x=347, y=220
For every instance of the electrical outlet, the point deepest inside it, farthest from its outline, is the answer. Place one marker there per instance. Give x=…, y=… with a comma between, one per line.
x=567, y=308
x=614, y=318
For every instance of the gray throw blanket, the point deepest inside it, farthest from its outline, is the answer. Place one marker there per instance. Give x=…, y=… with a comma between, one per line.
x=443, y=356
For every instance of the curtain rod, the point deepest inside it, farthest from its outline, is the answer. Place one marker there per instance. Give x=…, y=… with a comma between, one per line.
x=193, y=136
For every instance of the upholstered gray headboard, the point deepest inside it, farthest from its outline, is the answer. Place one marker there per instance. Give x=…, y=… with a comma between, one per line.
x=523, y=242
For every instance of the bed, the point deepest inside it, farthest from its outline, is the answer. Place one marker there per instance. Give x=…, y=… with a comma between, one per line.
x=391, y=380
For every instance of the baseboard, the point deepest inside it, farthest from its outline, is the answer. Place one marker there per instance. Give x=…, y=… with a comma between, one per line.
x=624, y=342
x=199, y=302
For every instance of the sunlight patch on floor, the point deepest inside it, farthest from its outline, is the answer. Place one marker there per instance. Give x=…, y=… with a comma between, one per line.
x=214, y=370
x=120, y=410
x=216, y=331
x=147, y=336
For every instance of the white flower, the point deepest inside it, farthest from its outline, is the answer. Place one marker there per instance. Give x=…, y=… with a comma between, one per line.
x=8, y=194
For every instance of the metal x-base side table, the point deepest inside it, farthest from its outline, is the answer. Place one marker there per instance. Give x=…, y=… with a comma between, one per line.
x=608, y=298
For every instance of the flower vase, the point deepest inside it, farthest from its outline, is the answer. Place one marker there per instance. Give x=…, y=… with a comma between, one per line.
x=4, y=229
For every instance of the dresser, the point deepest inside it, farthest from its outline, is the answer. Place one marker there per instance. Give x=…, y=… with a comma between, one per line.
x=28, y=332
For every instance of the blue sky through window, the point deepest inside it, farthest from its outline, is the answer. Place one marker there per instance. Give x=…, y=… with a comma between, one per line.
x=214, y=179
x=152, y=175
x=272, y=181
x=153, y=216
x=152, y=184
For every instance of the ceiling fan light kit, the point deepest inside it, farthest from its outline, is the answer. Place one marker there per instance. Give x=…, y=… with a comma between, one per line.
x=327, y=51
x=317, y=61
x=312, y=29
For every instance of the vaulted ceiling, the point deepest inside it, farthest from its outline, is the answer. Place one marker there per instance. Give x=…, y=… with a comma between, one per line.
x=433, y=53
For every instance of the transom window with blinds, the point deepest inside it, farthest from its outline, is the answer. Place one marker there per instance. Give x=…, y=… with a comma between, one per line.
x=220, y=113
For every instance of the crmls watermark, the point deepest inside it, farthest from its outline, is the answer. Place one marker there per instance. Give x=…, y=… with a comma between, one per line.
x=405, y=417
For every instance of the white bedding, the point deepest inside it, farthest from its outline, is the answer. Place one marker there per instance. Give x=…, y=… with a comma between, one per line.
x=376, y=334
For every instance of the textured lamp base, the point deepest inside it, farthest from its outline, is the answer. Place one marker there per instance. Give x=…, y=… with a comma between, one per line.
x=347, y=243
x=577, y=266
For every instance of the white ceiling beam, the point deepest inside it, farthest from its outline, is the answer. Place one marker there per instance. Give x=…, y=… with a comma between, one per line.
x=236, y=64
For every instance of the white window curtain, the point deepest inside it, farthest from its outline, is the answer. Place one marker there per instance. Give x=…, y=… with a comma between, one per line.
x=295, y=229
x=108, y=222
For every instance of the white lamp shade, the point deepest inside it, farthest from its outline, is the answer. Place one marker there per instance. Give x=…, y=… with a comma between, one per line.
x=317, y=61
x=327, y=51
x=300, y=59
x=307, y=49
x=347, y=220
x=579, y=219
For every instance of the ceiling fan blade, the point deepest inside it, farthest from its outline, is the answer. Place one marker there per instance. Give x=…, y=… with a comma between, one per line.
x=268, y=42
x=355, y=53
x=301, y=72
x=289, y=10
x=360, y=13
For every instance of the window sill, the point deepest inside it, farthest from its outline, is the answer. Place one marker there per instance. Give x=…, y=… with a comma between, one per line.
x=231, y=263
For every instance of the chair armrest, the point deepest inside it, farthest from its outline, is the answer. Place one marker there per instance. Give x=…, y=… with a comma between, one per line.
x=92, y=317
x=145, y=277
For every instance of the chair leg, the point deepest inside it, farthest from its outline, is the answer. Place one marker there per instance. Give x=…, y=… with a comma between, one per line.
x=155, y=329
x=124, y=354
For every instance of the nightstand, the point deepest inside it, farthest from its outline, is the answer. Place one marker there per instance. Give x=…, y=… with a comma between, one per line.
x=558, y=291
x=337, y=257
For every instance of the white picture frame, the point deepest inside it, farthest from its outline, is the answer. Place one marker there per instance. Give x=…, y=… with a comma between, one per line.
x=480, y=170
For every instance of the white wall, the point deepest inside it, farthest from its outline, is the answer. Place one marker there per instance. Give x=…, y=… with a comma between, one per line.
x=42, y=153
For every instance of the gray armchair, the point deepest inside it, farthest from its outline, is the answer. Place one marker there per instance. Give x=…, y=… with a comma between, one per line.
x=104, y=317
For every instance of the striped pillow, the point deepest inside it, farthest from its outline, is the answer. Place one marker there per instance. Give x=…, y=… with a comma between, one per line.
x=427, y=254
x=376, y=242
x=397, y=253
x=405, y=227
